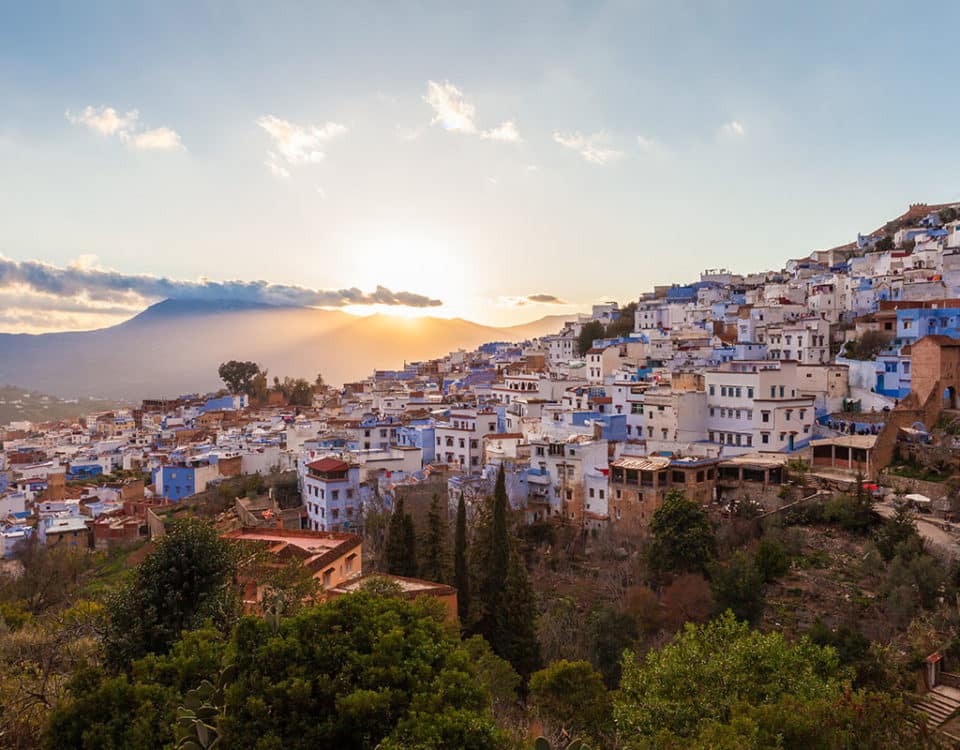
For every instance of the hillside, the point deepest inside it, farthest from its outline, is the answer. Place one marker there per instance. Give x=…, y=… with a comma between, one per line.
x=18, y=404
x=175, y=347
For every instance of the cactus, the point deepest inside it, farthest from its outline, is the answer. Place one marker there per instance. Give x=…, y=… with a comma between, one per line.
x=197, y=718
x=542, y=743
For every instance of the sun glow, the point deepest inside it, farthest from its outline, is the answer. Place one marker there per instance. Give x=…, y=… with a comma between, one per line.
x=412, y=262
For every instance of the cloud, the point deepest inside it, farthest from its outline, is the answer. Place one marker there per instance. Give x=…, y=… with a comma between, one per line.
x=453, y=111
x=546, y=299
x=531, y=299
x=733, y=129
x=98, y=285
x=108, y=122
x=294, y=145
x=593, y=148
x=105, y=120
x=158, y=139
x=505, y=131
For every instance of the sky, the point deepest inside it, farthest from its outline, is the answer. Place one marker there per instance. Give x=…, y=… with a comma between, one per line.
x=493, y=161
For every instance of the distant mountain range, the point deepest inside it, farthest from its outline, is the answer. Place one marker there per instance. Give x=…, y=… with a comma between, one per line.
x=175, y=346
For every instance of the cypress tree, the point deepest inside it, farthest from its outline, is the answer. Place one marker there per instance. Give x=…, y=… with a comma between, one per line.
x=409, y=547
x=461, y=576
x=518, y=629
x=495, y=565
x=434, y=556
x=399, y=554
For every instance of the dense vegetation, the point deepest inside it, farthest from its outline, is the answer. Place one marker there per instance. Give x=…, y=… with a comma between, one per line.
x=684, y=642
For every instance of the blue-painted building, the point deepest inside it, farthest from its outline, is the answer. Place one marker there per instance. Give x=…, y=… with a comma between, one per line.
x=419, y=433
x=83, y=471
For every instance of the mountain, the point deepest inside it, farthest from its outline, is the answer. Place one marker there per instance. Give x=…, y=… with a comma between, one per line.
x=18, y=404
x=175, y=346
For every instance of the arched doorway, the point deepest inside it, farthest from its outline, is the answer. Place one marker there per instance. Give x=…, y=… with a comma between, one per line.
x=950, y=398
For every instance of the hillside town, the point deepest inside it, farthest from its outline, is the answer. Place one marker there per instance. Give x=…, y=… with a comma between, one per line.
x=824, y=392
x=713, y=386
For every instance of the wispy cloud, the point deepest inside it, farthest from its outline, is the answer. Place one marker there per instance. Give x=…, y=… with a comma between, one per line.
x=593, y=148
x=733, y=129
x=505, y=131
x=454, y=111
x=156, y=139
x=109, y=122
x=546, y=299
x=83, y=281
x=294, y=145
x=531, y=299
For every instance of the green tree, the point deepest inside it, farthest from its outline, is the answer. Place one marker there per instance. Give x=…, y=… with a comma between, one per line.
x=461, y=573
x=358, y=672
x=708, y=670
x=739, y=587
x=623, y=325
x=852, y=720
x=854, y=650
x=589, y=332
x=434, y=557
x=894, y=531
x=497, y=675
x=184, y=581
x=298, y=392
x=571, y=697
x=772, y=559
x=494, y=563
x=135, y=710
x=516, y=635
x=400, y=552
x=610, y=632
x=238, y=376
x=259, y=389
x=507, y=608
x=682, y=538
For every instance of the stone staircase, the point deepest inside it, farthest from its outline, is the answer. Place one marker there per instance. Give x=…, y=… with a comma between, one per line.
x=939, y=705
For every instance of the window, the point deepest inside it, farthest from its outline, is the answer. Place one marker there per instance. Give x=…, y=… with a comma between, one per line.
x=764, y=416
x=591, y=492
x=712, y=393
x=335, y=494
x=781, y=391
x=678, y=477
x=773, y=391
x=738, y=391
x=601, y=494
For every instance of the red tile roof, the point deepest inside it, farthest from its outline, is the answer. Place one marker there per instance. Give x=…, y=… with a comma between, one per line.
x=326, y=465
